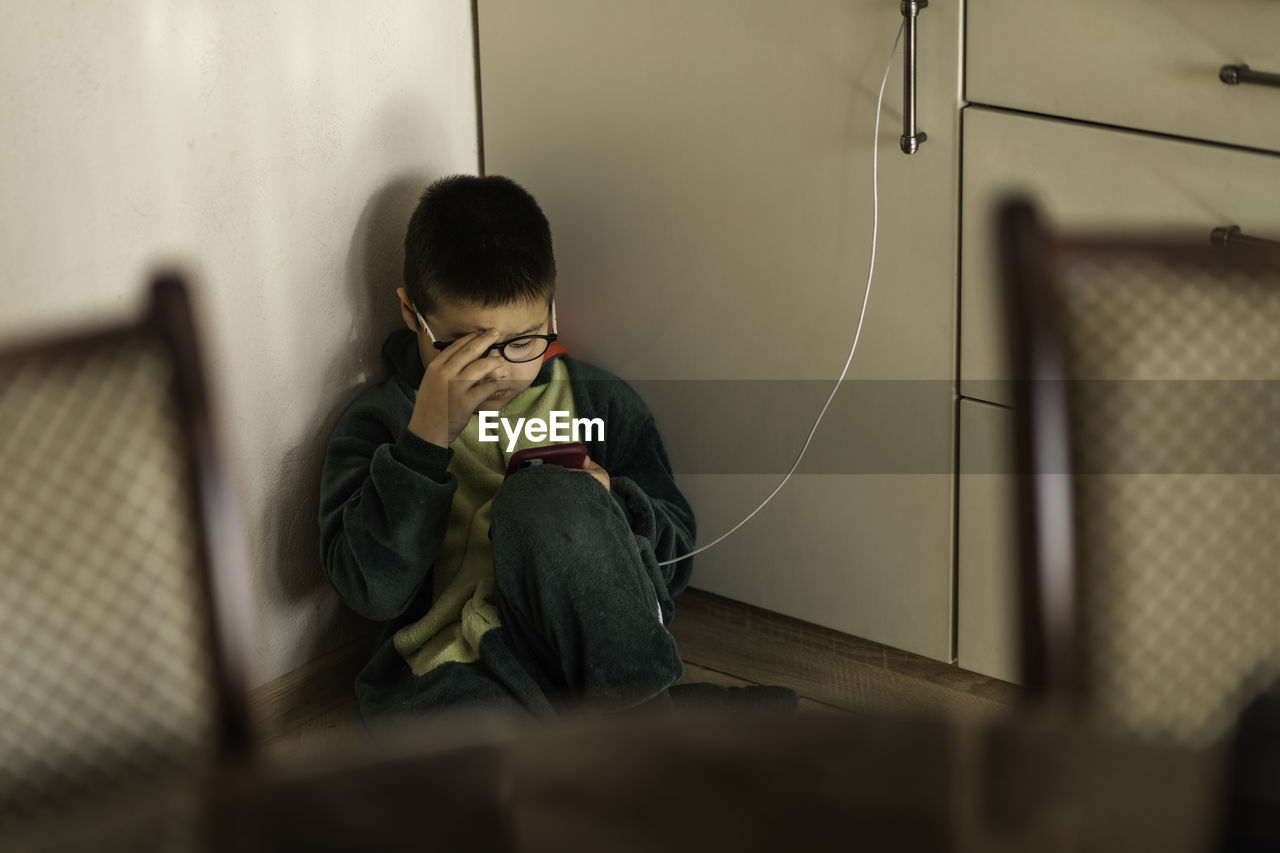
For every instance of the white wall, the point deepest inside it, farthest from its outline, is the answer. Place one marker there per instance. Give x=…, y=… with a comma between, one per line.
x=276, y=149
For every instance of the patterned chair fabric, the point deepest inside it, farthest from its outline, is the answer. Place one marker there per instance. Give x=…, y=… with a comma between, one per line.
x=1171, y=356
x=1174, y=442
x=109, y=679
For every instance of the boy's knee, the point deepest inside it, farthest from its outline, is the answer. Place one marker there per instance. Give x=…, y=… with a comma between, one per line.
x=551, y=520
x=551, y=496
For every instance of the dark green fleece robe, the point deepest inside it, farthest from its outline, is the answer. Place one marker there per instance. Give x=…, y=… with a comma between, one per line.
x=575, y=565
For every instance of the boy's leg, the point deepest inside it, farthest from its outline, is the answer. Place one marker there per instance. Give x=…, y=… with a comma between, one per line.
x=575, y=593
x=386, y=689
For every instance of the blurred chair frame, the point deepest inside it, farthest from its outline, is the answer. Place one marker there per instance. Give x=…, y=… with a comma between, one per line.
x=166, y=328
x=1052, y=612
x=1046, y=558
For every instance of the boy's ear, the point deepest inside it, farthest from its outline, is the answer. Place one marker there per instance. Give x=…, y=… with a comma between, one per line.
x=406, y=311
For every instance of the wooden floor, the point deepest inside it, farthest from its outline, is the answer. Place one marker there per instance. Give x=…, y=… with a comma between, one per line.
x=732, y=643
x=725, y=642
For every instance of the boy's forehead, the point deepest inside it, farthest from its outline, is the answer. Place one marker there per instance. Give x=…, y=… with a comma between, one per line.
x=463, y=317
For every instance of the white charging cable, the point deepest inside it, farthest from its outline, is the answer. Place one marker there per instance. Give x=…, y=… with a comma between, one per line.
x=875, y=228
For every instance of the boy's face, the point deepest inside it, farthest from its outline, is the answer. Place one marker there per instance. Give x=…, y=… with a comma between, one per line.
x=450, y=321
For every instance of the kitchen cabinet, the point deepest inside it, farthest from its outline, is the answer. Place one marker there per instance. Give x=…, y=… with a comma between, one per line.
x=1150, y=65
x=1089, y=177
x=706, y=168
x=986, y=610
x=1112, y=117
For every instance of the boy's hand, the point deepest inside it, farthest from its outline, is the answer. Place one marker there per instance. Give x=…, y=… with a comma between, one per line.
x=599, y=473
x=454, y=385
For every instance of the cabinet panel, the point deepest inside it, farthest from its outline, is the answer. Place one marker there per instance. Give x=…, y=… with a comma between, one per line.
x=1088, y=178
x=986, y=566
x=706, y=168
x=1147, y=64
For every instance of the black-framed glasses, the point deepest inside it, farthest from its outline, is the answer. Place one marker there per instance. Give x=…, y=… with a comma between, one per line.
x=517, y=350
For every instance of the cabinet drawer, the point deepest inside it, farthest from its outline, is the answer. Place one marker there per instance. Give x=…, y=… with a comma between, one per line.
x=1147, y=64
x=1088, y=178
x=986, y=579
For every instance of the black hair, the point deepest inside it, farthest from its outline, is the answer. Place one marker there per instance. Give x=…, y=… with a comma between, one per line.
x=482, y=240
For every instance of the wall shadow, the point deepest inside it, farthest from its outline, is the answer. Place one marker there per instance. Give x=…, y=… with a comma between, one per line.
x=373, y=271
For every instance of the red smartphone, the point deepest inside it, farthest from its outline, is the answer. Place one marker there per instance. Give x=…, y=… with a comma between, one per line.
x=565, y=455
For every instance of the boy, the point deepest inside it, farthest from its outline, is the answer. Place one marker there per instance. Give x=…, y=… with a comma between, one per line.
x=535, y=593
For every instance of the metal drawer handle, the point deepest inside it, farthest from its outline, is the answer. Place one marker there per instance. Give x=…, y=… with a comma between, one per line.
x=1234, y=75
x=1233, y=236
x=912, y=137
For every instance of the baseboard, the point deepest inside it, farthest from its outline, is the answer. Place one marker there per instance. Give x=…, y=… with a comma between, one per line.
x=309, y=691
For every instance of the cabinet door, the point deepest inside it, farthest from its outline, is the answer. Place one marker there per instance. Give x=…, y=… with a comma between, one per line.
x=706, y=168
x=986, y=565
x=1147, y=64
x=1092, y=178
